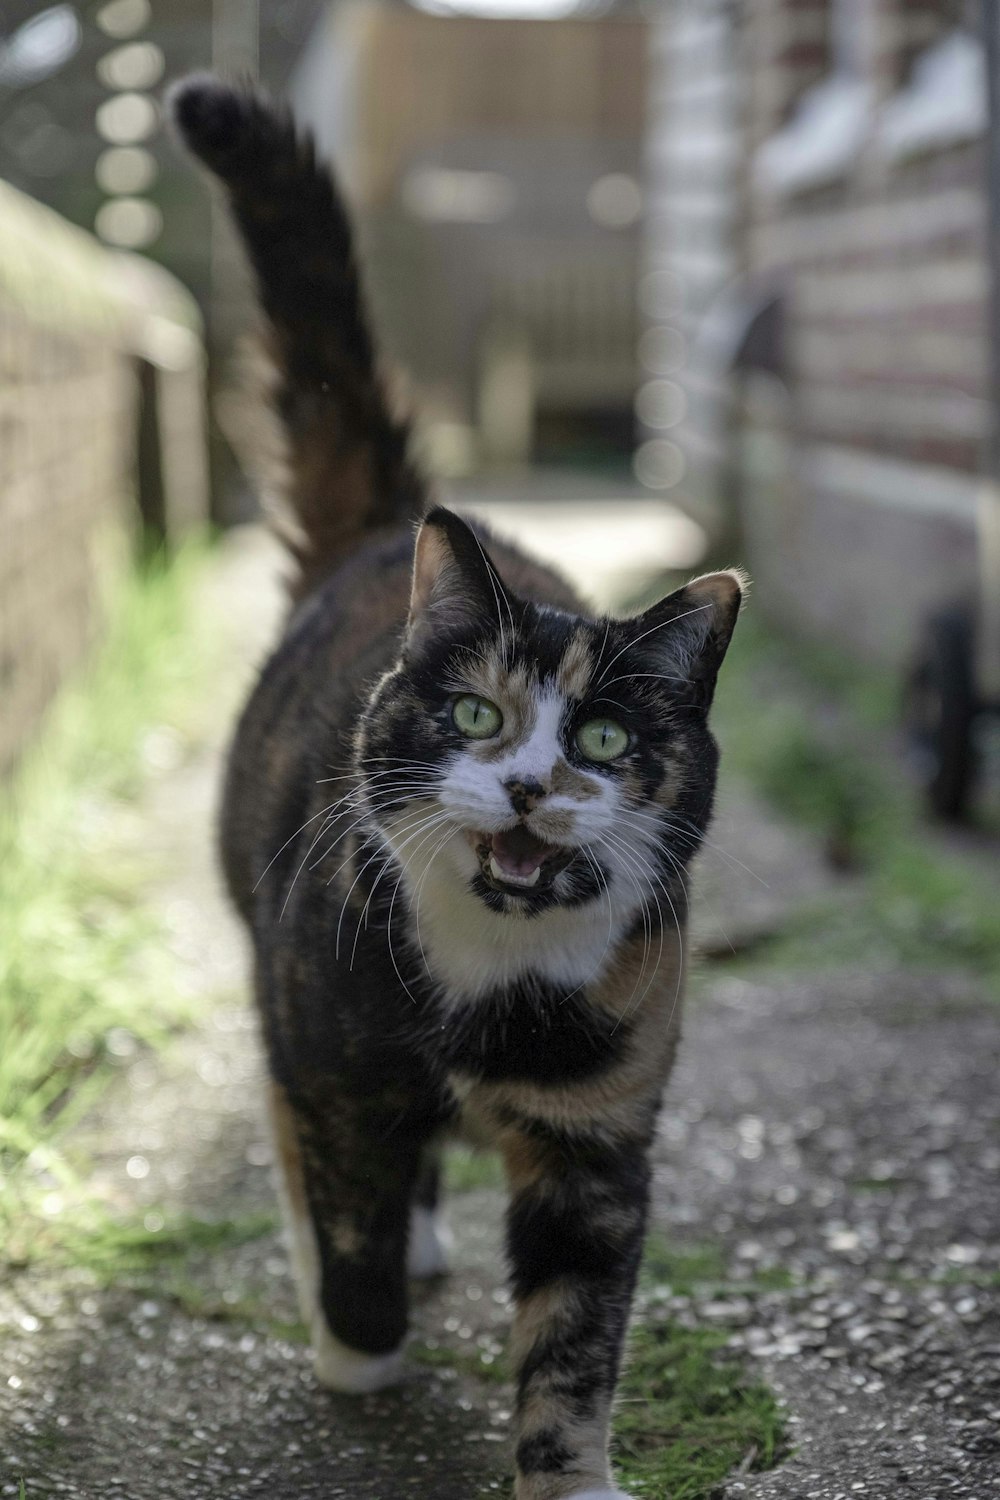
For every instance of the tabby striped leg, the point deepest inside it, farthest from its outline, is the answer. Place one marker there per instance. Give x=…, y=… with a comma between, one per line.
x=574, y=1239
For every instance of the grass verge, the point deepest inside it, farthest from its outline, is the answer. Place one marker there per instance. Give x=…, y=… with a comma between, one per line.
x=81, y=970
x=814, y=734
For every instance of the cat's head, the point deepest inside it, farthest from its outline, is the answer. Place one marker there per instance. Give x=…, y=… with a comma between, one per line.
x=545, y=757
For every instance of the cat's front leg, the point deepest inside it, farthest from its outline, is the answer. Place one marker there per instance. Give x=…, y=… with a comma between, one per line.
x=574, y=1239
x=348, y=1176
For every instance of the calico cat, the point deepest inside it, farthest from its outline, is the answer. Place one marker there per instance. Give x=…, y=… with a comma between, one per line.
x=457, y=822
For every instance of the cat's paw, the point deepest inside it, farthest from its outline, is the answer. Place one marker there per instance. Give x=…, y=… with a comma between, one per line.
x=351, y=1371
x=430, y=1242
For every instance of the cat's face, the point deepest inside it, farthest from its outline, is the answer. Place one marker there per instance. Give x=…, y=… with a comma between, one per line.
x=545, y=759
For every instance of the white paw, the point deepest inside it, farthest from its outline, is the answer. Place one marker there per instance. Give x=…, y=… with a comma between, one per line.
x=430, y=1242
x=350, y=1371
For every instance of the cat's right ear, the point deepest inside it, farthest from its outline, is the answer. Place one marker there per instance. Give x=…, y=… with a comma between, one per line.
x=455, y=586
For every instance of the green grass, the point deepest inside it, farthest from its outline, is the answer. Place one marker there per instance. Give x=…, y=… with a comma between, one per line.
x=680, y=1269
x=113, y=1249
x=701, y=1268
x=811, y=732
x=688, y=1415
x=81, y=963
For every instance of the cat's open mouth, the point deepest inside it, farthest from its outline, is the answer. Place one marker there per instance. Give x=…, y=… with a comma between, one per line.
x=516, y=860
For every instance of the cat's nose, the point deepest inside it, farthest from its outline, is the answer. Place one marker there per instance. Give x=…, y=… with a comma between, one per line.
x=524, y=795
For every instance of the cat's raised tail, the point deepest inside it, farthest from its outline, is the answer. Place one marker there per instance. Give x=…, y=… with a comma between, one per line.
x=348, y=465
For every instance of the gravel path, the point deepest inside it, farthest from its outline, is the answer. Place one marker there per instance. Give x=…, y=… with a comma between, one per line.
x=836, y=1130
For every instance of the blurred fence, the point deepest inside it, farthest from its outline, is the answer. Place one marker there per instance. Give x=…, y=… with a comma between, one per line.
x=101, y=439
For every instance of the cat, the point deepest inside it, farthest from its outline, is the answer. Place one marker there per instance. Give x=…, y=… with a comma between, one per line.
x=457, y=820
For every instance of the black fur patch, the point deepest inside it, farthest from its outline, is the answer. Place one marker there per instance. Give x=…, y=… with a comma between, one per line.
x=531, y=1032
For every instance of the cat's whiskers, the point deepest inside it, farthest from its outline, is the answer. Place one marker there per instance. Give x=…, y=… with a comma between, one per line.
x=629, y=645
x=613, y=701
x=366, y=813
x=693, y=836
x=372, y=830
x=399, y=760
x=712, y=844
x=329, y=815
x=403, y=870
x=625, y=857
x=654, y=838
x=325, y=826
x=448, y=833
x=683, y=875
x=654, y=876
x=358, y=798
x=422, y=819
x=357, y=775
x=291, y=839
x=630, y=676
x=629, y=818
x=475, y=657
x=496, y=595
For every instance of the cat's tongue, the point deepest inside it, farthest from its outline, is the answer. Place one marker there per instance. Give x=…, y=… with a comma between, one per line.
x=517, y=855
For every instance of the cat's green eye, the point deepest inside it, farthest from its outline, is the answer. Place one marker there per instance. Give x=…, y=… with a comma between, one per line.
x=476, y=717
x=601, y=739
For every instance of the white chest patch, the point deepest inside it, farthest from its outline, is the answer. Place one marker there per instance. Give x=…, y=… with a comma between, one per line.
x=470, y=950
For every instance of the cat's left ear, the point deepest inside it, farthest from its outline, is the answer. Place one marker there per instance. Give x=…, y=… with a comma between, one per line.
x=687, y=634
x=455, y=585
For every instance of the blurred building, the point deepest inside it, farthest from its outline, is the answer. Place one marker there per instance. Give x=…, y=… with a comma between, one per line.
x=819, y=336
x=494, y=167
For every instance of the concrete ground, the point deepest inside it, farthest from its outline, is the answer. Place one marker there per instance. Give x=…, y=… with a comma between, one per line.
x=838, y=1128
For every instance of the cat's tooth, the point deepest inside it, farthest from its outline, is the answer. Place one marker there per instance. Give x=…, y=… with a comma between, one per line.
x=499, y=873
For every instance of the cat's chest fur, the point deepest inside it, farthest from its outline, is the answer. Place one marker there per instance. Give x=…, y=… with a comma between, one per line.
x=551, y=1004
x=471, y=951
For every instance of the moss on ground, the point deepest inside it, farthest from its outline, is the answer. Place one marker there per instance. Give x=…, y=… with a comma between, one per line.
x=688, y=1414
